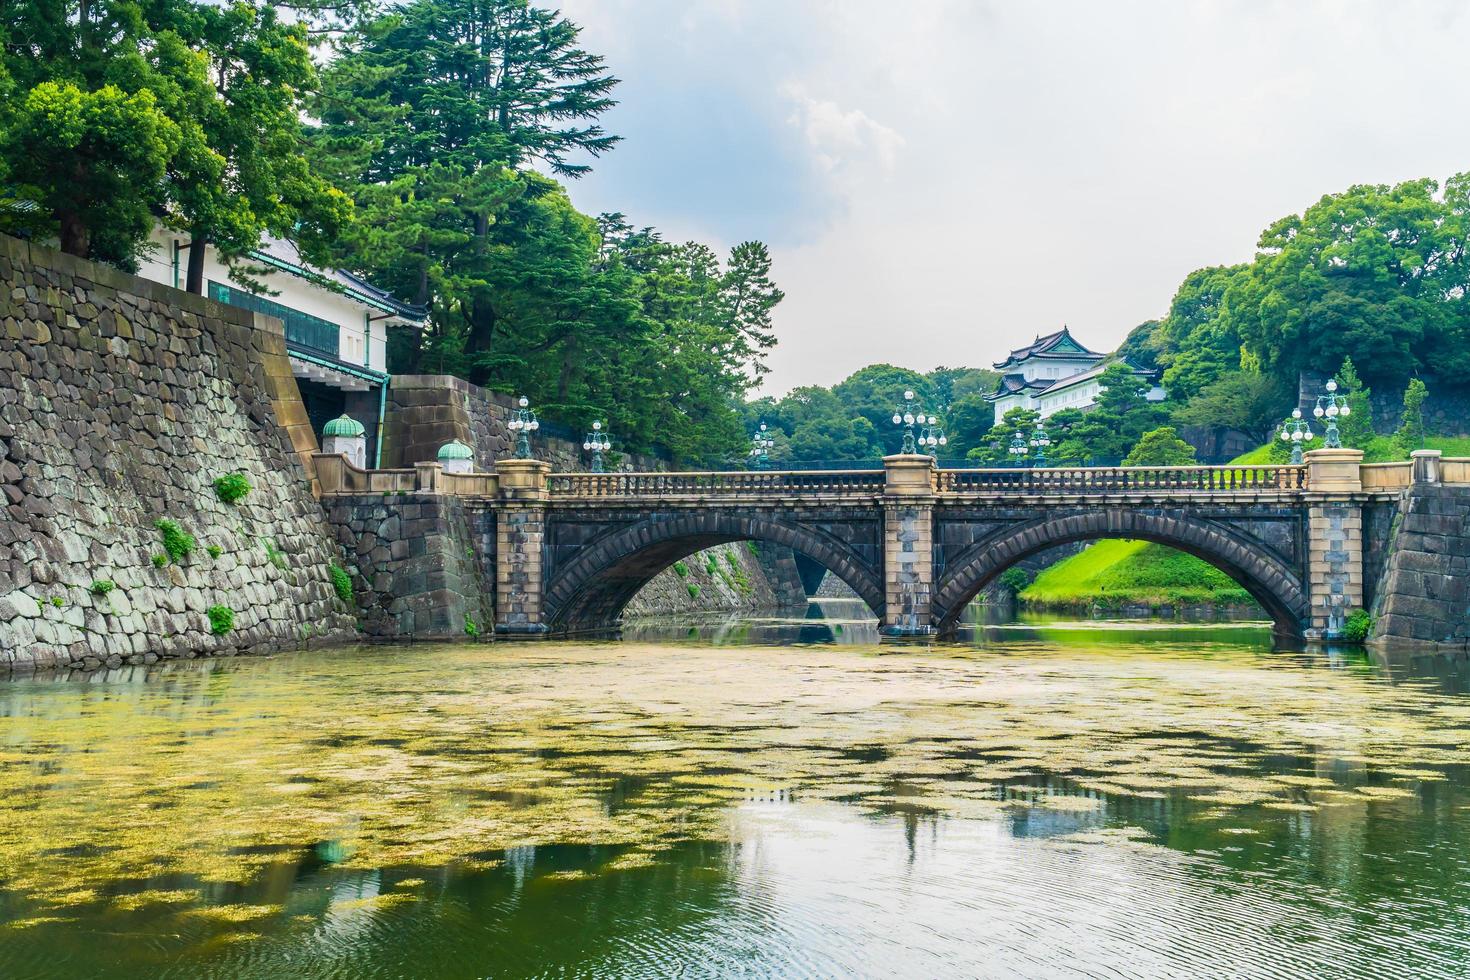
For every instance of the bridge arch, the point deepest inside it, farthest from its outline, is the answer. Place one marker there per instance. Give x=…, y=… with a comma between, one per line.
x=1271, y=582
x=589, y=591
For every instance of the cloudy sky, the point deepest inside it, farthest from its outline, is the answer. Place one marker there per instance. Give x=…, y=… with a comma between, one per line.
x=941, y=180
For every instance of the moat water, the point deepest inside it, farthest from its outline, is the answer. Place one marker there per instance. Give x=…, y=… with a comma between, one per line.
x=769, y=798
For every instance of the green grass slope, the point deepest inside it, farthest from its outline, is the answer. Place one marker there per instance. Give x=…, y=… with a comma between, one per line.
x=1117, y=573
x=1383, y=449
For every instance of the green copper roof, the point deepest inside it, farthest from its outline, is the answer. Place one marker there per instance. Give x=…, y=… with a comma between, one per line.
x=344, y=425
x=455, y=450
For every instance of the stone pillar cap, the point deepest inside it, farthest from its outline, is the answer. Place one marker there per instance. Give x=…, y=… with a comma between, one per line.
x=1420, y=453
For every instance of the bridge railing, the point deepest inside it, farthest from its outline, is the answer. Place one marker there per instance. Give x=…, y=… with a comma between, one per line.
x=716, y=484
x=1124, y=479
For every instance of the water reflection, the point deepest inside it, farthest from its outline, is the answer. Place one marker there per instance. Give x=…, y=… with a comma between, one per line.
x=845, y=622
x=1039, y=800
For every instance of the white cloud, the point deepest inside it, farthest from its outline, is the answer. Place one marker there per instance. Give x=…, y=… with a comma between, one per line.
x=841, y=139
x=992, y=170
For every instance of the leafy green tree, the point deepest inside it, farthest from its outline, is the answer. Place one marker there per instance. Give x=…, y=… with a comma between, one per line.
x=1375, y=272
x=246, y=175
x=995, y=450
x=874, y=391
x=1410, y=435
x=1247, y=401
x=967, y=423
x=1120, y=416
x=1161, y=447
x=121, y=113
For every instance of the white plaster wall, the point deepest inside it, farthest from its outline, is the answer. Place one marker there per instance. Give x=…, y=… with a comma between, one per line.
x=290, y=290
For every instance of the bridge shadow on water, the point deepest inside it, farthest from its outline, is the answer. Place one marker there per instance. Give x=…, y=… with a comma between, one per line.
x=849, y=622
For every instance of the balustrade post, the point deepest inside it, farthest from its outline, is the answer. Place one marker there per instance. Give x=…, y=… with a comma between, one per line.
x=1425, y=464
x=909, y=492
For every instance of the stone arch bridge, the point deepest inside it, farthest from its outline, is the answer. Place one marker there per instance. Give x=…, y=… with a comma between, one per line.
x=564, y=552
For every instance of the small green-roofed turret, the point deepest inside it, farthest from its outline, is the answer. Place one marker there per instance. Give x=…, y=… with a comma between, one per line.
x=344, y=427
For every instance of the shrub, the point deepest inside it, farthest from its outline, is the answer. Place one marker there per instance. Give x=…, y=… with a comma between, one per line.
x=232, y=487
x=159, y=560
x=1359, y=624
x=342, y=582
x=1015, y=579
x=175, y=541
x=274, y=554
x=221, y=619
x=1161, y=447
x=693, y=590
x=101, y=586
x=470, y=629
x=215, y=551
x=681, y=569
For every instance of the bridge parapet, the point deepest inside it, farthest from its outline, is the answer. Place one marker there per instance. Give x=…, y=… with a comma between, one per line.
x=1124, y=480
x=738, y=483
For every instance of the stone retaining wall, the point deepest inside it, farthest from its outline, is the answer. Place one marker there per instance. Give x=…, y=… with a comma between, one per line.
x=740, y=576
x=1424, y=599
x=121, y=400
x=418, y=564
x=427, y=410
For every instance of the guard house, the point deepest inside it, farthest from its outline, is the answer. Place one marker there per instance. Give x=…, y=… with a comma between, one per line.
x=1052, y=373
x=336, y=325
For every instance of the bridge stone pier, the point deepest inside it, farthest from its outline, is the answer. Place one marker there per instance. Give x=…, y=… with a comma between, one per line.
x=564, y=552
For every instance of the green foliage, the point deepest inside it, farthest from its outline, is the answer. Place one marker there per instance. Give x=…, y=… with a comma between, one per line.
x=1357, y=627
x=1161, y=447
x=121, y=114
x=58, y=601
x=995, y=449
x=753, y=547
x=681, y=569
x=101, y=586
x=273, y=554
x=341, y=582
x=431, y=118
x=221, y=619
x=1248, y=401
x=1410, y=435
x=693, y=590
x=1356, y=430
x=214, y=551
x=1014, y=579
x=232, y=487
x=1116, y=573
x=470, y=629
x=176, y=543
x=159, y=560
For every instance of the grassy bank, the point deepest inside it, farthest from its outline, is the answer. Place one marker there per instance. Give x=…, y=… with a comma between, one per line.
x=1383, y=449
x=1117, y=573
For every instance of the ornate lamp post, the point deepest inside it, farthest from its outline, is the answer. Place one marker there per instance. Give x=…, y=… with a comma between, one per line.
x=1039, y=441
x=1018, y=448
x=523, y=422
x=1297, y=431
x=904, y=415
x=931, y=435
x=1332, y=406
x=761, y=445
x=597, y=442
